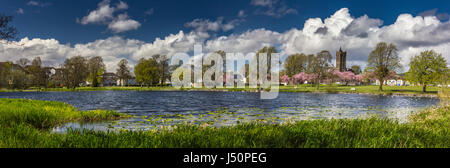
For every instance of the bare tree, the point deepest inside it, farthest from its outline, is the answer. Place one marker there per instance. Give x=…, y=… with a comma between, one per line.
x=36, y=72
x=163, y=63
x=23, y=62
x=123, y=72
x=7, y=32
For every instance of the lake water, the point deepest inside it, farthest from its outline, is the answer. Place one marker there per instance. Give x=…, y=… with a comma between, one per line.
x=155, y=109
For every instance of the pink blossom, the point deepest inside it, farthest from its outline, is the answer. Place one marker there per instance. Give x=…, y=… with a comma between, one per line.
x=346, y=76
x=302, y=77
x=358, y=78
x=285, y=79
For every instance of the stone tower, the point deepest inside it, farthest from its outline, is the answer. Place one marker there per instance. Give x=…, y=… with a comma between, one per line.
x=341, y=60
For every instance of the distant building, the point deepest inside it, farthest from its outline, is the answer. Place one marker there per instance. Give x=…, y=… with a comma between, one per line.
x=129, y=82
x=395, y=80
x=109, y=79
x=341, y=60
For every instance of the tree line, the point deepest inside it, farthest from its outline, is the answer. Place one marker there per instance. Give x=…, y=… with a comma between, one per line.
x=76, y=70
x=428, y=68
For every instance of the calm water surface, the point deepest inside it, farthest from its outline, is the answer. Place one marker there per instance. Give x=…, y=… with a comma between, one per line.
x=154, y=108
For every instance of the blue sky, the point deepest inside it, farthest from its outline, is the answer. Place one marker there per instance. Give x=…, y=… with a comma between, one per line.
x=131, y=29
x=57, y=18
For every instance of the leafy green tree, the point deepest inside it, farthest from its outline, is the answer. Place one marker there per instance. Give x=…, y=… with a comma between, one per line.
x=75, y=71
x=18, y=79
x=5, y=71
x=319, y=66
x=384, y=60
x=123, y=72
x=96, y=69
x=295, y=64
x=356, y=69
x=427, y=68
x=147, y=72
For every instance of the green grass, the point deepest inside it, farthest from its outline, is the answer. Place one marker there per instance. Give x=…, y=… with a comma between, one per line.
x=26, y=124
x=47, y=114
x=387, y=90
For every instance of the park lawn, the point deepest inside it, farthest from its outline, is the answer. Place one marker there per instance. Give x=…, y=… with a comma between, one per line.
x=370, y=89
x=27, y=124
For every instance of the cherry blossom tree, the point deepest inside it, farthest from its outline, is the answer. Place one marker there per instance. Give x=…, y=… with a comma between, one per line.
x=344, y=77
x=285, y=79
x=358, y=78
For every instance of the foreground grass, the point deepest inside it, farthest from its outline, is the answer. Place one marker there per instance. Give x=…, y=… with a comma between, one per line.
x=387, y=90
x=25, y=124
x=47, y=114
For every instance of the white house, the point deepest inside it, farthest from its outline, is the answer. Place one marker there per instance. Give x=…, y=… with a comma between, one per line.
x=130, y=82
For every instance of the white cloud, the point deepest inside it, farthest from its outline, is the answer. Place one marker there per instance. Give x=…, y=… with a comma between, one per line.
x=242, y=14
x=20, y=11
x=39, y=4
x=123, y=23
x=204, y=25
x=122, y=5
x=104, y=14
x=263, y=2
x=249, y=41
x=358, y=36
x=274, y=8
x=433, y=12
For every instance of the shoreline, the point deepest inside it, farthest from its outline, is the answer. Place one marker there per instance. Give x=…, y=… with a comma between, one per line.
x=145, y=89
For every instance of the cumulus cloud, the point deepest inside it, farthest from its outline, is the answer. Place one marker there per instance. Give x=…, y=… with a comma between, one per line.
x=249, y=41
x=104, y=14
x=361, y=26
x=358, y=36
x=123, y=23
x=433, y=12
x=122, y=5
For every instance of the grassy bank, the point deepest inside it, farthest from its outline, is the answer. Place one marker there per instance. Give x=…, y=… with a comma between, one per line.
x=26, y=123
x=387, y=90
x=47, y=114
